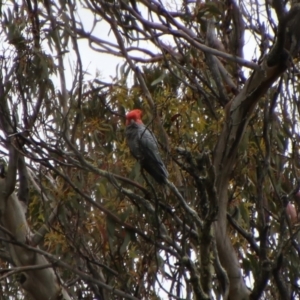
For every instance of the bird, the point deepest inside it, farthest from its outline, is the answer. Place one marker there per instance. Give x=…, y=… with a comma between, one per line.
x=144, y=147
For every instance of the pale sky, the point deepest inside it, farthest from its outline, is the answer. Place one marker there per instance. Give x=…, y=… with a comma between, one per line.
x=106, y=64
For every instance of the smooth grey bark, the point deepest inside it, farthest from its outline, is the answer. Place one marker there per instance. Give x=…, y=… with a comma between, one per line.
x=239, y=112
x=39, y=283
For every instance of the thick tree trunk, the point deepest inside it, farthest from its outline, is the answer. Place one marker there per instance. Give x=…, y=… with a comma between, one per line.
x=239, y=112
x=42, y=284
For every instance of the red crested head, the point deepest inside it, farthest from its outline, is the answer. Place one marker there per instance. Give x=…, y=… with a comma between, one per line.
x=134, y=115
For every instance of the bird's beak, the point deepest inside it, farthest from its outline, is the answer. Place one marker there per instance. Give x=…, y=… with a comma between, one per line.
x=128, y=122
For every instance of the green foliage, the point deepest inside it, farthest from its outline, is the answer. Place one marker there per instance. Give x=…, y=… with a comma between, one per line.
x=109, y=222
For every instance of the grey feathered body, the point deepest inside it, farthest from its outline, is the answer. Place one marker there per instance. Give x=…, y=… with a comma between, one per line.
x=143, y=146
